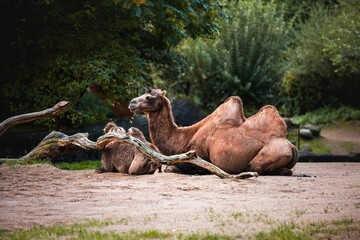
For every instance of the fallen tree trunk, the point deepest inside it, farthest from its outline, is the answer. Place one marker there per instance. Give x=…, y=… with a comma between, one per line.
x=29, y=117
x=57, y=143
x=189, y=157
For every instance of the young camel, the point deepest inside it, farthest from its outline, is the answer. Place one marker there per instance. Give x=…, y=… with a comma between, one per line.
x=225, y=138
x=124, y=158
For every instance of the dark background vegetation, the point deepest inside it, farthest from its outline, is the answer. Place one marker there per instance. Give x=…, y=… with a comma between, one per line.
x=297, y=55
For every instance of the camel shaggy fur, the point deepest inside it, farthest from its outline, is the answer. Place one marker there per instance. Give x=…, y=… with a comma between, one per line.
x=124, y=158
x=225, y=138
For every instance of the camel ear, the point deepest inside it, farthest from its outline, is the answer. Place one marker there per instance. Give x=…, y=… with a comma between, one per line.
x=163, y=93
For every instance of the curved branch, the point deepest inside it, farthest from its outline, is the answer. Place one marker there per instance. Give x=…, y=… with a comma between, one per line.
x=189, y=156
x=28, y=117
x=57, y=143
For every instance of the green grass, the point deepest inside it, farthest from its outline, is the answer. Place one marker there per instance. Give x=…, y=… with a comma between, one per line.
x=94, y=229
x=86, y=230
x=81, y=165
x=320, y=230
x=328, y=115
x=348, y=146
x=317, y=145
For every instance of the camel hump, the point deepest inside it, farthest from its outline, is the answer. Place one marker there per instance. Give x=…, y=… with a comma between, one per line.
x=268, y=120
x=230, y=113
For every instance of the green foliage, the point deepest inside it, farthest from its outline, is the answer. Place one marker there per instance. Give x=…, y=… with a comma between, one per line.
x=54, y=50
x=243, y=59
x=323, y=66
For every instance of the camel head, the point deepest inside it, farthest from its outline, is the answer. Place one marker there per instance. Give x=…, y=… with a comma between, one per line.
x=148, y=102
x=112, y=127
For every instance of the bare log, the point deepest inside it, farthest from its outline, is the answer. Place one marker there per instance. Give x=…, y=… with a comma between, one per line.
x=28, y=117
x=189, y=156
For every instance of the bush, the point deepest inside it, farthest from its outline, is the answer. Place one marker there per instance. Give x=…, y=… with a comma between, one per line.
x=324, y=63
x=243, y=59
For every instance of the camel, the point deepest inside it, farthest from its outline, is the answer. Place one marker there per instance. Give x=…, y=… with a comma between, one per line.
x=124, y=158
x=225, y=137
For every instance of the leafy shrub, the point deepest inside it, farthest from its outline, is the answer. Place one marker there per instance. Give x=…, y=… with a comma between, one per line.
x=243, y=59
x=324, y=62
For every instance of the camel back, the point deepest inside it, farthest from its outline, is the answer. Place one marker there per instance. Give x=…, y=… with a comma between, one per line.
x=268, y=121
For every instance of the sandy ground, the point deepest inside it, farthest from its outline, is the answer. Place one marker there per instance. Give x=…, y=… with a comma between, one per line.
x=44, y=195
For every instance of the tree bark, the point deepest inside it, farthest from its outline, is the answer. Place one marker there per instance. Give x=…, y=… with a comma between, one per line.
x=189, y=156
x=28, y=117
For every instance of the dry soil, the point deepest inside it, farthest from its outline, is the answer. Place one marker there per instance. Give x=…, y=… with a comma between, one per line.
x=44, y=195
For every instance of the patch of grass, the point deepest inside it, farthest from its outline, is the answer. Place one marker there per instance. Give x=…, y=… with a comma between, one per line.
x=263, y=217
x=81, y=231
x=299, y=212
x=212, y=214
x=237, y=215
x=204, y=236
x=93, y=229
x=329, y=115
x=81, y=165
x=284, y=231
x=348, y=146
x=320, y=230
x=317, y=145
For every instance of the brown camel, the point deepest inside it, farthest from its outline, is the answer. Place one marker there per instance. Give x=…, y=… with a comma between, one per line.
x=124, y=158
x=225, y=138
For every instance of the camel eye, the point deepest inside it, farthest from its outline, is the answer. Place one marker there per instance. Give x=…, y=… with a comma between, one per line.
x=148, y=98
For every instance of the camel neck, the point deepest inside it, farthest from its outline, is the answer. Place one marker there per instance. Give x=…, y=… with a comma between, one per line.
x=164, y=132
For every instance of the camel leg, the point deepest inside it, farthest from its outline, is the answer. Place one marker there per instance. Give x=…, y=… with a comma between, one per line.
x=106, y=164
x=277, y=157
x=142, y=165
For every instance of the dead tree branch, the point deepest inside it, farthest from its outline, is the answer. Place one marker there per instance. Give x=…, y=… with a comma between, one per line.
x=57, y=143
x=28, y=117
x=189, y=157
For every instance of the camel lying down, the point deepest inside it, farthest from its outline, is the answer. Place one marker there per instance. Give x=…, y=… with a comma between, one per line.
x=124, y=158
x=225, y=138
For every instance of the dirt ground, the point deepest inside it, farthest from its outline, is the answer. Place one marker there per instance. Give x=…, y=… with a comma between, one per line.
x=44, y=195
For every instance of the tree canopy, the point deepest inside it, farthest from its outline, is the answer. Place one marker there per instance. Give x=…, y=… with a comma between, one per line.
x=56, y=50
